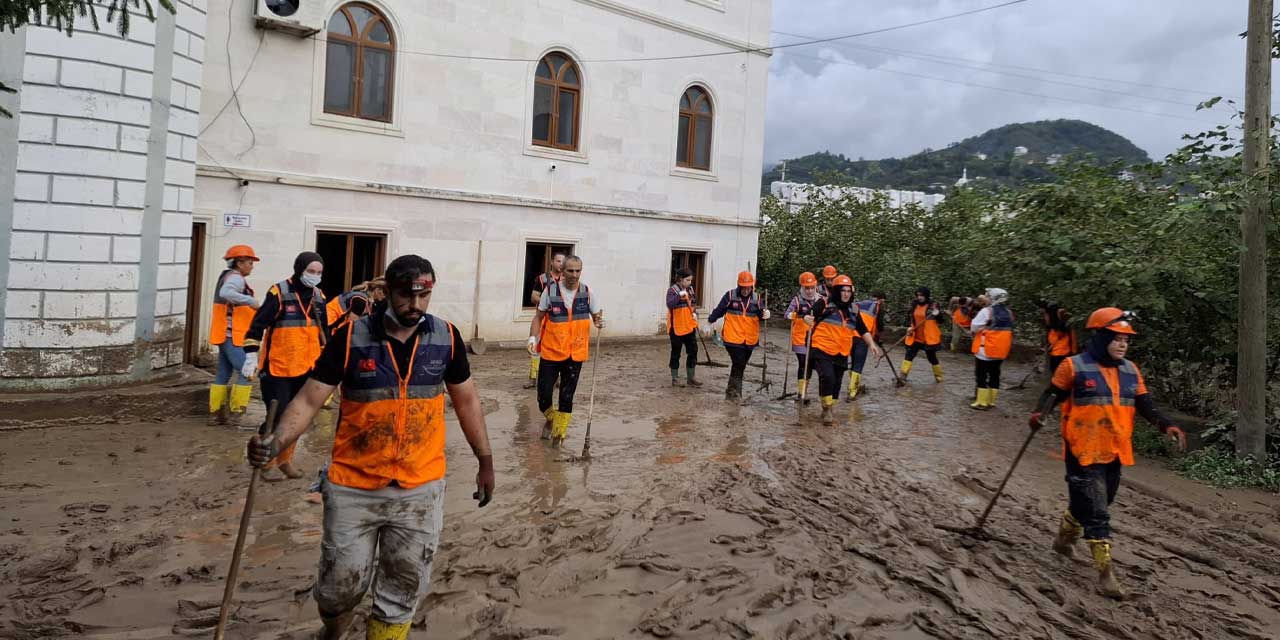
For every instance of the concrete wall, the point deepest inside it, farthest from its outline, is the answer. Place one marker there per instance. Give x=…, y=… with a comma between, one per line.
x=97, y=224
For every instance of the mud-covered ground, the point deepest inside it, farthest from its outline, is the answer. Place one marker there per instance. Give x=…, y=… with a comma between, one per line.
x=695, y=518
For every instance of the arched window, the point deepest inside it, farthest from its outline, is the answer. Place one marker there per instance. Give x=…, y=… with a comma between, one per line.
x=693, y=137
x=557, y=102
x=359, y=63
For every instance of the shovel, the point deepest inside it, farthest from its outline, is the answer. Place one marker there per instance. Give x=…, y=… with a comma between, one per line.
x=707, y=352
x=591, y=405
x=976, y=530
x=897, y=380
x=765, y=383
x=477, y=345
x=268, y=428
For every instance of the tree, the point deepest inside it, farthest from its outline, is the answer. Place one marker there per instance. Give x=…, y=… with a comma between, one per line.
x=62, y=15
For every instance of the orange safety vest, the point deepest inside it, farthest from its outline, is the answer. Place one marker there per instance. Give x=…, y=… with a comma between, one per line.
x=681, y=319
x=1062, y=343
x=240, y=316
x=800, y=330
x=391, y=423
x=566, y=331
x=338, y=308
x=1097, y=420
x=961, y=318
x=293, y=344
x=924, y=329
x=870, y=310
x=997, y=337
x=834, y=334
x=742, y=321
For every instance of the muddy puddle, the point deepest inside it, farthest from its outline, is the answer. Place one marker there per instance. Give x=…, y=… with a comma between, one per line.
x=694, y=518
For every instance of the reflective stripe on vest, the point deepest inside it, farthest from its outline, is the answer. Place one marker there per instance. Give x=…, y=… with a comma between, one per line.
x=1097, y=421
x=680, y=319
x=996, y=339
x=742, y=322
x=294, y=343
x=566, y=331
x=391, y=424
x=800, y=330
x=870, y=310
x=229, y=319
x=834, y=334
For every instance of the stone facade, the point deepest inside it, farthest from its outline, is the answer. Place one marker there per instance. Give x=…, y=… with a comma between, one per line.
x=97, y=176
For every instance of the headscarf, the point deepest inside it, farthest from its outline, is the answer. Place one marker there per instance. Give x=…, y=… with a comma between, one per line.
x=804, y=294
x=997, y=295
x=305, y=258
x=1097, y=347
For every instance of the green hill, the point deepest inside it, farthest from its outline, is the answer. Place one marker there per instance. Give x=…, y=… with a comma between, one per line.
x=937, y=170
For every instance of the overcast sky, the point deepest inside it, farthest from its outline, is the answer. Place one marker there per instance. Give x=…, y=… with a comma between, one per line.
x=845, y=98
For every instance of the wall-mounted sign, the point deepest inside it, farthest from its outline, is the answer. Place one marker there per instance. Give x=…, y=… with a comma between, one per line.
x=237, y=220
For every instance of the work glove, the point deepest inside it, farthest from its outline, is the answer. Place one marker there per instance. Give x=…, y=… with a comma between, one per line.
x=765, y=315
x=262, y=449
x=599, y=319
x=484, y=481
x=1036, y=421
x=809, y=320
x=533, y=345
x=250, y=365
x=684, y=294
x=1178, y=436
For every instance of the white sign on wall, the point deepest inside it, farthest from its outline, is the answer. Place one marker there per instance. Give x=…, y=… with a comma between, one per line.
x=237, y=220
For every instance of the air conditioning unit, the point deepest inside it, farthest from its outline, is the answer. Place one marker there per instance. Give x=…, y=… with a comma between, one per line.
x=302, y=18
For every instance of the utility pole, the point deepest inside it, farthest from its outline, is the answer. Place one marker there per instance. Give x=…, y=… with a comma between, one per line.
x=1251, y=372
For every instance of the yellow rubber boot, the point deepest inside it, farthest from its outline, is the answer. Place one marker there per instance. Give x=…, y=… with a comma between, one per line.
x=800, y=387
x=906, y=368
x=1107, y=582
x=855, y=379
x=379, y=630
x=828, y=416
x=240, y=394
x=560, y=427
x=1069, y=532
x=937, y=373
x=981, y=403
x=533, y=372
x=217, y=397
x=550, y=415
x=991, y=397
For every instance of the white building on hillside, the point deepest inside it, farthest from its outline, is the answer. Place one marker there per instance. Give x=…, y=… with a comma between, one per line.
x=797, y=194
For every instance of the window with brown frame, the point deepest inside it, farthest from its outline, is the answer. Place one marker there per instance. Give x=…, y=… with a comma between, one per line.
x=557, y=102
x=695, y=261
x=360, y=60
x=693, y=137
x=537, y=261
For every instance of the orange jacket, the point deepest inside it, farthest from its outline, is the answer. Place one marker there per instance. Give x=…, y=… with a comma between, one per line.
x=241, y=316
x=997, y=337
x=566, y=331
x=391, y=423
x=834, y=333
x=741, y=319
x=680, y=318
x=924, y=329
x=1097, y=418
x=294, y=341
x=1062, y=343
x=961, y=318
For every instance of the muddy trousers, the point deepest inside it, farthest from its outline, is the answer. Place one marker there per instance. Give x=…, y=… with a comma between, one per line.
x=930, y=352
x=1090, y=490
x=567, y=372
x=385, y=537
x=830, y=371
x=282, y=390
x=689, y=343
x=987, y=373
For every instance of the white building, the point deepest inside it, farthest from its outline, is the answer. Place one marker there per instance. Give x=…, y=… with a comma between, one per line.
x=796, y=195
x=482, y=136
x=1020, y=151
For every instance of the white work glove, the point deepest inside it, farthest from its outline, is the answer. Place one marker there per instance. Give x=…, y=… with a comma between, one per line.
x=765, y=315
x=250, y=365
x=533, y=345
x=684, y=294
x=809, y=320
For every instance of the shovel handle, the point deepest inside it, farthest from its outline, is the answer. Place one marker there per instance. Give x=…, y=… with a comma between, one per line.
x=1018, y=458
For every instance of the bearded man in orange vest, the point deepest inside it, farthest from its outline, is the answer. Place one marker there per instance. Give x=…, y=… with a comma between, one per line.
x=1100, y=391
x=742, y=313
x=384, y=491
x=561, y=329
x=233, y=311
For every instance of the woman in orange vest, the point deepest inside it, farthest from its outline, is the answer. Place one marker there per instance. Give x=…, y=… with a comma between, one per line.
x=836, y=324
x=561, y=333
x=233, y=309
x=1060, y=338
x=962, y=313
x=923, y=333
x=1100, y=391
x=800, y=313
x=682, y=326
x=742, y=313
x=290, y=329
x=992, y=341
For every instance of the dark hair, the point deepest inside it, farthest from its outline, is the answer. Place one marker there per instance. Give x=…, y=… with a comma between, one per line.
x=562, y=254
x=404, y=270
x=572, y=258
x=682, y=273
x=878, y=295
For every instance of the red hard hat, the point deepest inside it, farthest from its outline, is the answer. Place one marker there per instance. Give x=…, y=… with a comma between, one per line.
x=829, y=271
x=745, y=279
x=807, y=279
x=240, y=251
x=1112, y=319
x=843, y=281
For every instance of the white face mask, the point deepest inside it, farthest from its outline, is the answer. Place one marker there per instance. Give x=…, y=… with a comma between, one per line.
x=310, y=279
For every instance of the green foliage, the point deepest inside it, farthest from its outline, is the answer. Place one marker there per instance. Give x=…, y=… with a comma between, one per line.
x=938, y=170
x=1218, y=467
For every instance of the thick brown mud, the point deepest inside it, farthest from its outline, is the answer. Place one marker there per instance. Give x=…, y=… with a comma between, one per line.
x=694, y=518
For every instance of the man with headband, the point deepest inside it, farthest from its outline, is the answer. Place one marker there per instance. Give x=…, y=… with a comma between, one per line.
x=384, y=491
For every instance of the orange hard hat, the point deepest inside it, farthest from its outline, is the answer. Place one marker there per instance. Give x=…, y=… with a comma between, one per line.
x=829, y=271
x=745, y=279
x=240, y=251
x=843, y=281
x=1112, y=319
x=807, y=279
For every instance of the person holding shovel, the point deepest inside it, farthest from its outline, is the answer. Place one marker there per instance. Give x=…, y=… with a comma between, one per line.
x=836, y=325
x=682, y=326
x=1100, y=391
x=742, y=313
x=800, y=312
x=923, y=333
x=561, y=329
x=384, y=490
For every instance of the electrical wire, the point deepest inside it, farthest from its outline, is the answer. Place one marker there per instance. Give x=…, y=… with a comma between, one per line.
x=236, y=88
x=235, y=94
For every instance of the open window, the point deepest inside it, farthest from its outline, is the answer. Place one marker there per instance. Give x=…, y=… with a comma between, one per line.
x=349, y=259
x=537, y=261
x=695, y=261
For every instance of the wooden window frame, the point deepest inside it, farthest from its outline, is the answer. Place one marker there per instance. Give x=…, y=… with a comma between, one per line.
x=699, y=274
x=688, y=155
x=557, y=85
x=360, y=42
x=379, y=260
x=548, y=251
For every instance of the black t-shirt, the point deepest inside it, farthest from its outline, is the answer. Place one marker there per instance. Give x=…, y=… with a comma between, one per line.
x=329, y=367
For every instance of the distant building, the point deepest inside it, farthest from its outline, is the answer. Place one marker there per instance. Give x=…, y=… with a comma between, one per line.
x=1018, y=152
x=1053, y=159
x=981, y=156
x=964, y=178
x=796, y=195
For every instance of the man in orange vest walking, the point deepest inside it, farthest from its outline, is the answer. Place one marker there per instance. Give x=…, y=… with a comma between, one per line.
x=233, y=310
x=682, y=326
x=1100, y=391
x=742, y=313
x=289, y=328
x=923, y=333
x=540, y=285
x=561, y=329
x=384, y=491
x=992, y=341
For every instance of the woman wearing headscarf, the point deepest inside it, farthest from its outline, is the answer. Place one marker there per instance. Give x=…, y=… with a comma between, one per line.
x=836, y=324
x=286, y=335
x=992, y=332
x=923, y=333
x=800, y=312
